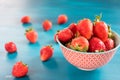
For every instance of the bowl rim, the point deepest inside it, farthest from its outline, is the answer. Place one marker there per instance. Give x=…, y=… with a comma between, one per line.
x=92, y=52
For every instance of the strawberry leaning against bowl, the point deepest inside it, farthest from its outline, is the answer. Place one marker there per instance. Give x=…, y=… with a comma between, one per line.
x=100, y=29
x=80, y=44
x=31, y=35
x=46, y=52
x=96, y=45
x=85, y=28
x=65, y=35
x=20, y=69
x=10, y=47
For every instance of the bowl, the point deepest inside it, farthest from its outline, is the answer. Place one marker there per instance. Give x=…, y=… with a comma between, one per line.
x=89, y=60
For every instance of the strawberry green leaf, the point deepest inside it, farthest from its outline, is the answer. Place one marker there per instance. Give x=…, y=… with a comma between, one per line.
x=97, y=18
x=29, y=29
x=110, y=34
x=84, y=49
x=101, y=50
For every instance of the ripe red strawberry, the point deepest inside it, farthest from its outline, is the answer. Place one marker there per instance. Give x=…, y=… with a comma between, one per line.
x=73, y=28
x=96, y=45
x=65, y=35
x=10, y=47
x=31, y=35
x=100, y=29
x=47, y=25
x=62, y=19
x=19, y=69
x=85, y=27
x=80, y=44
x=25, y=19
x=109, y=43
x=46, y=53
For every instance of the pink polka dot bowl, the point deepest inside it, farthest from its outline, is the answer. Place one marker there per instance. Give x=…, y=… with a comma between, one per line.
x=89, y=60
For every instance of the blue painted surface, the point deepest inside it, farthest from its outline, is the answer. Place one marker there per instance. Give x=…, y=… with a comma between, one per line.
x=57, y=68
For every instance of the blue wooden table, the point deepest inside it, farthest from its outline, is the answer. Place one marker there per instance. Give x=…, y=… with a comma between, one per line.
x=57, y=68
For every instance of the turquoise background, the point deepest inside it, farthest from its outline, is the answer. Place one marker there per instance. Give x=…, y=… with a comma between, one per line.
x=57, y=68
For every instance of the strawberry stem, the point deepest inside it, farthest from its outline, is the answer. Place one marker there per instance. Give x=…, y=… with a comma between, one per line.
x=29, y=29
x=98, y=18
x=50, y=46
x=24, y=64
x=110, y=34
x=58, y=31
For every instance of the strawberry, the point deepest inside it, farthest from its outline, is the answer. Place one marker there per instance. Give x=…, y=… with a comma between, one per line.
x=96, y=45
x=73, y=28
x=65, y=35
x=19, y=69
x=46, y=53
x=10, y=47
x=31, y=35
x=62, y=19
x=25, y=19
x=80, y=44
x=85, y=28
x=47, y=25
x=109, y=43
x=100, y=29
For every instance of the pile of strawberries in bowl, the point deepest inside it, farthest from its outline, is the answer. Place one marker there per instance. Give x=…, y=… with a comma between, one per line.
x=88, y=45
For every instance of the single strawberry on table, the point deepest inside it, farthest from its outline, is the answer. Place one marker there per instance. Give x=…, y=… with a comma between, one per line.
x=109, y=43
x=96, y=45
x=100, y=29
x=25, y=19
x=46, y=52
x=80, y=44
x=62, y=19
x=19, y=69
x=31, y=35
x=10, y=47
x=47, y=25
x=65, y=35
x=85, y=27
